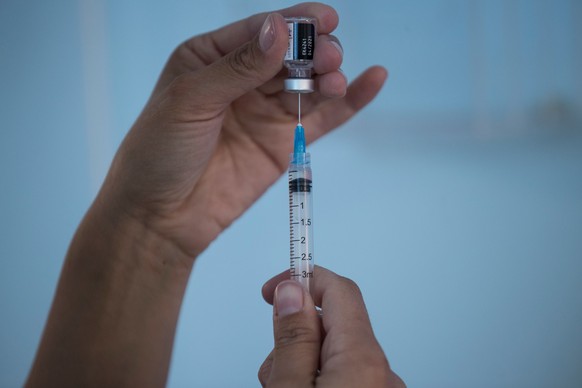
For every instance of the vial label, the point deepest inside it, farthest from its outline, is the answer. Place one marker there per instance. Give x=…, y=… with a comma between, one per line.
x=301, y=40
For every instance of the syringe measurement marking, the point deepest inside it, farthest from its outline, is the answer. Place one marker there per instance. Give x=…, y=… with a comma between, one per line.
x=296, y=211
x=292, y=248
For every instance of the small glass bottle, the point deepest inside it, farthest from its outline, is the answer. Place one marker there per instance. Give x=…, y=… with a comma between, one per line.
x=299, y=56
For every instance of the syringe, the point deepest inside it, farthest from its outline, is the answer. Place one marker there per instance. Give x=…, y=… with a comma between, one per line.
x=300, y=209
x=299, y=62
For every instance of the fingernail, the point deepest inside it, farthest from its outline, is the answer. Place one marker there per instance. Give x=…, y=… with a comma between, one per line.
x=338, y=47
x=288, y=298
x=344, y=74
x=267, y=35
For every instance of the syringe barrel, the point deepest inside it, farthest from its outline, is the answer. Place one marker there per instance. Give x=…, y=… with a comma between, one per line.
x=301, y=219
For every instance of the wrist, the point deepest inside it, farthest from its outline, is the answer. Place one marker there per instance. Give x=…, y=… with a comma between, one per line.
x=110, y=225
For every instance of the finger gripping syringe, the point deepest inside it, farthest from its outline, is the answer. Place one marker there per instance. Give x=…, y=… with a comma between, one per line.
x=300, y=211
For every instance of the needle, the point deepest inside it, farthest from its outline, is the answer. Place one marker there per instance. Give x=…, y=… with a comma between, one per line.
x=299, y=99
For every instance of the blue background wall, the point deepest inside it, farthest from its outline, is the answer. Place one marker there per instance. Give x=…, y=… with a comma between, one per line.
x=465, y=229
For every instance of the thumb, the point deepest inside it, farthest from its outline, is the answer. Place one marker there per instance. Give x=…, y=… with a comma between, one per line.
x=248, y=66
x=297, y=337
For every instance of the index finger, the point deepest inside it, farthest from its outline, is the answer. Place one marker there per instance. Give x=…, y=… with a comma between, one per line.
x=342, y=303
x=234, y=35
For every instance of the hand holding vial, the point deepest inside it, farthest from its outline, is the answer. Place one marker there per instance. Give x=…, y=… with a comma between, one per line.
x=214, y=135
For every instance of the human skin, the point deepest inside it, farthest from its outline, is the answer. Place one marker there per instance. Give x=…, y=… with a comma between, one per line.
x=214, y=135
x=335, y=349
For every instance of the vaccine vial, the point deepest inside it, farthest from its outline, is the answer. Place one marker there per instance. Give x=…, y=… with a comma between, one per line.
x=299, y=55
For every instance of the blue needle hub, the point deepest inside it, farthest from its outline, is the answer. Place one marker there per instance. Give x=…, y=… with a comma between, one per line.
x=299, y=144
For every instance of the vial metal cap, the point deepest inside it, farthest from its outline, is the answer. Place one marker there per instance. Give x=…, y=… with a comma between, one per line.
x=299, y=85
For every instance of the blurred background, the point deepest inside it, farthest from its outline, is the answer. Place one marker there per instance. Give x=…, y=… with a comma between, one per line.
x=464, y=229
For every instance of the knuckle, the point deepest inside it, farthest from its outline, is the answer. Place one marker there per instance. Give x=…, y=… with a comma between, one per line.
x=351, y=286
x=179, y=54
x=188, y=90
x=292, y=336
x=187, y=56
x=242, y=62
x=180, y=86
